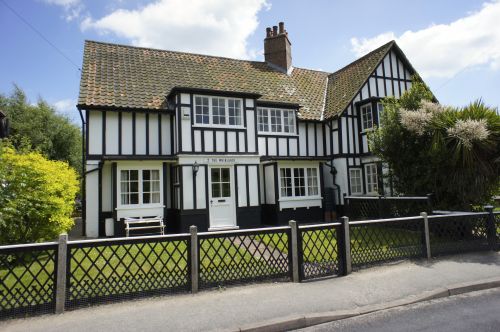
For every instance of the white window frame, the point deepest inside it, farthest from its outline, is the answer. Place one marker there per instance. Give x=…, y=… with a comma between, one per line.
x=363, y=112
x=371, y=179
x=380, y=110
x=306, y=183
x=226, y=115
x=359, y=177
x=141, y=191
x=268, y=125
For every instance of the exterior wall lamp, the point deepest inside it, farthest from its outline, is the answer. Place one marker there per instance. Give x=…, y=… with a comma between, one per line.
x=196, y=168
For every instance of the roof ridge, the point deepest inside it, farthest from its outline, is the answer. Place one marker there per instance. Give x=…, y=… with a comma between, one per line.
x=191, y=53
x=364, y=57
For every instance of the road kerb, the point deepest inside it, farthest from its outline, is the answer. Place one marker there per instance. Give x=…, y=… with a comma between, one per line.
x=298, y=322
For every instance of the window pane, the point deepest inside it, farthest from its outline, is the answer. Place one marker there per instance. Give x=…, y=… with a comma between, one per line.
x=312, y=182
x=124, y=176
x=234, y=109
x=216, y=190
x=155, y=174
x=218, y=111
x=226, y=190
x=299, y=182
x=225, y=175
x=262, y=119
x=134, y=175
x=286, y=182
x=146, y=175
x=366, y=117
x=134, y=198
x=215, y=174
x=275, y=116
x=146, y=198
x=289, y=121
x=201, y=110
x=155, y=198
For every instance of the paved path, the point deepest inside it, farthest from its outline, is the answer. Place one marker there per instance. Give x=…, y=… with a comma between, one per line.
x=242, y=306
x=476, y=311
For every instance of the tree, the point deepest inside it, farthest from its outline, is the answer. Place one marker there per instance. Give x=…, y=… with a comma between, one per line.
x=453, y=152
x=36, y=196
x=40, y=128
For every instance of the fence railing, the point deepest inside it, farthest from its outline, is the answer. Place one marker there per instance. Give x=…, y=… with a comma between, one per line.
x=27, y=279
x=41, y=278
x=382, y=207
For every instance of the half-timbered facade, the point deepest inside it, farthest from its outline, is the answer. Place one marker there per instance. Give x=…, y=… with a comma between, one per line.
x=223, y=143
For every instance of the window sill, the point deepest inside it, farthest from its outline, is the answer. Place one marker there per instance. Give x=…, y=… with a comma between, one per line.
x=139, y=206
x=298, y=199
x=263, y=133
x=195, y=125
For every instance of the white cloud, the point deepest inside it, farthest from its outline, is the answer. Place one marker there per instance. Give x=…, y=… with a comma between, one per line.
x=217, y=27
x=443, y=50
x=72, y=8
x=66, y=107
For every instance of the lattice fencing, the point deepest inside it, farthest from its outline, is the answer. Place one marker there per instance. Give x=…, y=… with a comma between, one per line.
x=244, y=256
x=455, y=233
x=27, y=279
x=125, y=268
x=387, y=240
x=367, y=208
x=320, y=251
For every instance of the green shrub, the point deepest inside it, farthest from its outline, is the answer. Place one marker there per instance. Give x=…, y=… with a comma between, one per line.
x=36, y=197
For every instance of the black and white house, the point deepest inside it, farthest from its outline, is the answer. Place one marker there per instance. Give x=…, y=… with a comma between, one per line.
x=223, y=143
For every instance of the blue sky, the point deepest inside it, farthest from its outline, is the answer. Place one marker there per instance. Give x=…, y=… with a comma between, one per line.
x=454, y=44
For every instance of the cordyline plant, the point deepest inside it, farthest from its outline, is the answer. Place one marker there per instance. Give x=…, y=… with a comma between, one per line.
x=452, y=152
x=36, y=196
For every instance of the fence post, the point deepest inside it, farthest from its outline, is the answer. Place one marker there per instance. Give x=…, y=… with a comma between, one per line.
x=62, y=252
x=427, y=237
x=295, y=250
x=193, y=230
x=347, y=205
x=346, y=241
x=491, y=231
x=429, y=203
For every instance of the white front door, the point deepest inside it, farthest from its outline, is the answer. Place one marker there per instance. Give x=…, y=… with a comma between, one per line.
x=221, y=197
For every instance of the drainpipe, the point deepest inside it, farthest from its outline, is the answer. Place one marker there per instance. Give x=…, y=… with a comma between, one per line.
x=333, y=171
x=83, y=199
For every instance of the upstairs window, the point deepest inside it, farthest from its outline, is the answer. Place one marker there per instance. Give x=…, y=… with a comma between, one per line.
x=275, y=120
x=366, y=117
x=380, y=110
x=218, y=111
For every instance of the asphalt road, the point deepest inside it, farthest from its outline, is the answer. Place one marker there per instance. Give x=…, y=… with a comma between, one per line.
x=477, y=311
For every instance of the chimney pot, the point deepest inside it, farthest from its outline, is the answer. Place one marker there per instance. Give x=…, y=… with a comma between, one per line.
x=281, y=27
x=275, y=30
x=268, y=32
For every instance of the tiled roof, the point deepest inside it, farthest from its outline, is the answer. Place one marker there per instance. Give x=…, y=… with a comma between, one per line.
x=133, y=77
x=344, y=84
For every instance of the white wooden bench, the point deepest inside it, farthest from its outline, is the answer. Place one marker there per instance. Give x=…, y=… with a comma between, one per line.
x=132, y=224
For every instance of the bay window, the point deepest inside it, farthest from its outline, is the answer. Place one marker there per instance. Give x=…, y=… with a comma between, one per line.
x=299, y=181
x=275, y=120
x=140, y=186
x=219, y=111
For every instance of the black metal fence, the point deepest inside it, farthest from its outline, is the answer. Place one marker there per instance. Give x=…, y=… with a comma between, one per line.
x=27, y=279
x=320, y=251
x=458, y=233
x=244, y=256
x=111, y=270
x=382, y=207
x=384, y=240
x=108, y=270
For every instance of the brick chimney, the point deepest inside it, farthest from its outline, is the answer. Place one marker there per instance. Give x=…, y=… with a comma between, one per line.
x=277, y=48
